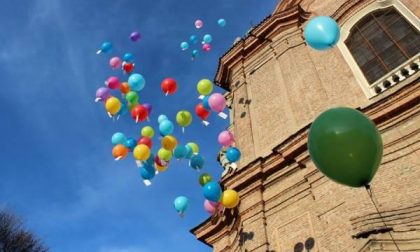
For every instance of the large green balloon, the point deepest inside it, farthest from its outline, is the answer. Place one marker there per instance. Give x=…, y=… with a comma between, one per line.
x=346, y=146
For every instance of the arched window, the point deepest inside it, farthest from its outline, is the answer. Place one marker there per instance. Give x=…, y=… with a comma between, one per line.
x=382, y=41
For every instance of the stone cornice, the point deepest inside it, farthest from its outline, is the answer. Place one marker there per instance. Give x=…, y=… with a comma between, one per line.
x=256, y=40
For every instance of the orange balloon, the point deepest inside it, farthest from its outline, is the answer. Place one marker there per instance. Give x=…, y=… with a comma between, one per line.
x=119, y=151
x=161, y=168
x=124, y=88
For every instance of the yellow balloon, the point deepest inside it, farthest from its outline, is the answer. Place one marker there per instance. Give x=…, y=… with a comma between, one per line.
x=147, y=131
x=161, y=168
x=113, y=105
x=194, y=147
x=169, y=142
x=164, y=155
x=141, y=152
x=230, y=198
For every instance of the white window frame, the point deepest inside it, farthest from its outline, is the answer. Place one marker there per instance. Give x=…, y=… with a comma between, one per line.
x=369, y=89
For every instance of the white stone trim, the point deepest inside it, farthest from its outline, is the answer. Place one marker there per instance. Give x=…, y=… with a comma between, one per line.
x=367, y=88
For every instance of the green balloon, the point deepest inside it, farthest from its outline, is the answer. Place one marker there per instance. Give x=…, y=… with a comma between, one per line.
x=204, y=179
x=346, y=146
x=132, y=97
x=184, y=118
x=205, y=87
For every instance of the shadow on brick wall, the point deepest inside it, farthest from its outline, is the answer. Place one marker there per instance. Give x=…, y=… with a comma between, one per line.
x=305, y=247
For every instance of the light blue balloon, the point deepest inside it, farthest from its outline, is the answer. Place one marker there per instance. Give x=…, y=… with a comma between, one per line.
x=221, y=22
x=106, y=47
x=207, y=38
x=166, y=127
x=184, y=46
x=322, y=33
x=193, y=39
x=189, y=152
x=162, y=118
x=212, y=191
x=233, y=154
x=205, y=102
x=181, y=204
x=180, y=152
x=146, y=173
x=118, y=138
x=136, y=82
x=131, y=143
x=128, y=57
x=197, y=162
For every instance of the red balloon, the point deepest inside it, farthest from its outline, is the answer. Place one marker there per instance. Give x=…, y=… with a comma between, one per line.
x=202, y=112
x=160, y=162
x=128, y=67
x=146, y=141
x=168, y=86
x=139, y=113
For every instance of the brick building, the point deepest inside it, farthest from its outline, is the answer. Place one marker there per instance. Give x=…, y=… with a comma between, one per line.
x=276, y=85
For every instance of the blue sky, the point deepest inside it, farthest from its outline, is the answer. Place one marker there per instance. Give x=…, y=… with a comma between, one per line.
x=57, y=172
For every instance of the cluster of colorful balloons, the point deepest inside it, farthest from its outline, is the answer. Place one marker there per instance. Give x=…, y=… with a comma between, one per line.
x=226, y=139
x=210, y=101
x=206, y=39
x=129, y=84
x=129, y=89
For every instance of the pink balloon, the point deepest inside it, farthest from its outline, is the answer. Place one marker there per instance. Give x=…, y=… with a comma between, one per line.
x=115, y=62
x=206, y=47
x=198, y=23
x=212, y=207
x=217, y=102
x=113, y=82
x=226, y=138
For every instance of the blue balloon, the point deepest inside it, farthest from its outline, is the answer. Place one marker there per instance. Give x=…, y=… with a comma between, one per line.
x=128, y=57
x=184, y=46
x=189, y=152
x=207, y=38
x=197, y=162
x=146, y=174
x=151, y=160
x=181, y=204
x=136, y=82
x=194, y=53
x=131, y=143
x=123, y=109
x=166, y=127
x=233, y=154
x=149, y=168
x=212, y=191
x=193, y=39
x=180, y=152
x=205, y=102
x=118, y=138
x=162, y=118
x=106, y=47
x=221, y=22
x=322, y=33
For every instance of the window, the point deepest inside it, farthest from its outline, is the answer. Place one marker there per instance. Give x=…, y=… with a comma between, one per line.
x=382, y=41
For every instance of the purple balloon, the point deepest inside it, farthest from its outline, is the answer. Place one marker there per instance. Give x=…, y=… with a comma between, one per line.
x=148, y=106
x=134, y=36
x=102, y=94
x=217, y=102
